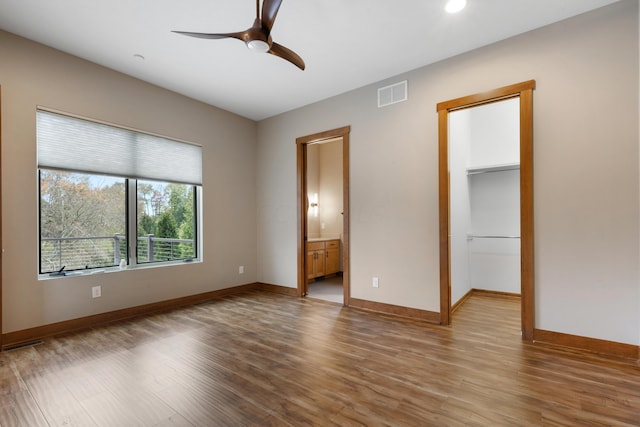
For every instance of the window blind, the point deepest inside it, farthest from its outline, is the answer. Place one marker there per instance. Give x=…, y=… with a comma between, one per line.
x=73, y=144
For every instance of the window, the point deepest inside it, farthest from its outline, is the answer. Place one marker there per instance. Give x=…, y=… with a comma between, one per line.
x=82, y=221
x=166, y=221
x=111, y=196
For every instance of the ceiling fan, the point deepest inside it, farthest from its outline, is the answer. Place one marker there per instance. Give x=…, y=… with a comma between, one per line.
x=258, y=37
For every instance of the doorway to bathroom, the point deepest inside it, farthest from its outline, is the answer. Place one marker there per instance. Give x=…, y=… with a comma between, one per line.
x=323, y=215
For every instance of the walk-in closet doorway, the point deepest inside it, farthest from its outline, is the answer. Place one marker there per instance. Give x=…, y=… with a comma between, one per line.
x=486, y=198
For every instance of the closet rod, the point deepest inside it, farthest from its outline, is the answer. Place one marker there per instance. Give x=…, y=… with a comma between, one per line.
x=484, y=236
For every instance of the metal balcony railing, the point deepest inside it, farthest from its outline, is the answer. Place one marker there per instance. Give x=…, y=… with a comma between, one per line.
x=75, y=253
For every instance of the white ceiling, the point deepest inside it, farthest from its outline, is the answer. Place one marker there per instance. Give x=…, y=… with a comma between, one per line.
x=346, y=44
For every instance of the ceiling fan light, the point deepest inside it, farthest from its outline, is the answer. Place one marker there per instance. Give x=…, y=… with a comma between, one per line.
x=258, y=46
x=454, y=6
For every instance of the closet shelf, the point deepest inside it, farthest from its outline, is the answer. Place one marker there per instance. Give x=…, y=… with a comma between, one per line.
x=473, y=170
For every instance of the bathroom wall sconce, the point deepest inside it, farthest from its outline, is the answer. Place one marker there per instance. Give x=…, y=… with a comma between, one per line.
x=312, y=201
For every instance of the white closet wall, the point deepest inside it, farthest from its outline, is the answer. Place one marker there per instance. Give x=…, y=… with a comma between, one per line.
x=495, y=211
x=485, y=198
x=460, y=213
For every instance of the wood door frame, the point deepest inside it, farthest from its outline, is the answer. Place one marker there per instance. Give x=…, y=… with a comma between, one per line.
x=524, y=91
x=301, y=164
x=1, y=241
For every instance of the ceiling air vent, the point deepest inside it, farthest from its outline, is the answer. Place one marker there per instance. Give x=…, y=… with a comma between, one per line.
x=392, y=94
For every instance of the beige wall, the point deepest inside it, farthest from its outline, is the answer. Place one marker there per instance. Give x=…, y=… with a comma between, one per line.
x=324, y=181
x=331, y=200
x=32, y=75
x=586, y=180
x=313, y=189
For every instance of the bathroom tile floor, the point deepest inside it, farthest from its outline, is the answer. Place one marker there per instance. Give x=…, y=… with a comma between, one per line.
x=329, y=289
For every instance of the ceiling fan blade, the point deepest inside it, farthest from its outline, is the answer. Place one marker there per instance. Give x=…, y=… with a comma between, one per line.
x=286, y=54
x=239, y=36
x=269, y=11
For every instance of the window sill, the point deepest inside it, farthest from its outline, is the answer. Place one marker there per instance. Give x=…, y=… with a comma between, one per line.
x=107, y=270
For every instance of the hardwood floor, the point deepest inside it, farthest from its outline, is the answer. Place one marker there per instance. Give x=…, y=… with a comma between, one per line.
x=267, y=359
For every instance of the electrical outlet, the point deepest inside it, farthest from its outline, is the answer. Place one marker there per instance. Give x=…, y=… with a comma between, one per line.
x=374, y=282
x=96, y=291
x=241, y=269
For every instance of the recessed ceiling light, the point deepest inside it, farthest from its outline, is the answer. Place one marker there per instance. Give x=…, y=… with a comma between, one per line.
x=138, y=57
x=454, y=6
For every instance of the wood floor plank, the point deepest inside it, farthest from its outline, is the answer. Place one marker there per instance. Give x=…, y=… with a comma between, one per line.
x=261, y=358
x=20, y=409
x=175, y=420
x=56, y=402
